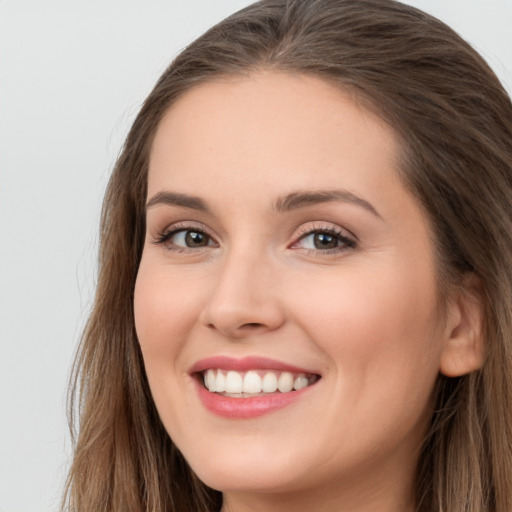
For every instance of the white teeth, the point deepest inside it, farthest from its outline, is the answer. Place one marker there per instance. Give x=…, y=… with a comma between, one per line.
x=209, y=380
x=233, y=382
x=252, y=383
x=269, y=383
x=285, y=382
x=220, y=383
x=300, y=382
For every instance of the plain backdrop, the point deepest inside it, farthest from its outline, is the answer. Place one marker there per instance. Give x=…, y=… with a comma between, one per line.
x=72, y=77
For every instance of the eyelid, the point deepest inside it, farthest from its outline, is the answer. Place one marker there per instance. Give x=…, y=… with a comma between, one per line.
x=318, y=226
x=164, y=235
x=350, y=241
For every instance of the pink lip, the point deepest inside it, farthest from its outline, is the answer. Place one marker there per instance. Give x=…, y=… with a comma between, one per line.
x=245, y=364
x=245, y=408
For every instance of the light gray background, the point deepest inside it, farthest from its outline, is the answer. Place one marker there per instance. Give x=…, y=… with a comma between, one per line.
x=72, y=77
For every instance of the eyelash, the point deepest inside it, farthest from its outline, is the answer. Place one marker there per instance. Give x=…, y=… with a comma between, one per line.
x=169, y=232
x=345, y=241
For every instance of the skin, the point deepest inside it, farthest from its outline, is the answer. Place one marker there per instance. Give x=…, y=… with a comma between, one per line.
x=363, y=316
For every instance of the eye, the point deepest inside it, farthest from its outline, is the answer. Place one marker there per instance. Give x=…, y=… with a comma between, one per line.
x=324, y=240
x=177, y=238
x=189, y=238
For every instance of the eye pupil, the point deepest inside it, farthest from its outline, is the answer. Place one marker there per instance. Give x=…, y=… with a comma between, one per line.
x=325, y=241
x=196, y=239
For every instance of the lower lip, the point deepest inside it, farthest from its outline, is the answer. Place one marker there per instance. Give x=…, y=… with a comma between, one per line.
x=246, y=408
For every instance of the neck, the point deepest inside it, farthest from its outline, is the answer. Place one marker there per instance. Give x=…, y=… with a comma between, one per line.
x=364, y=495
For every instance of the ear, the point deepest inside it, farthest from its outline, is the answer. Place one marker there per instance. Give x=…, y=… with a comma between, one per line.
x=464, y=349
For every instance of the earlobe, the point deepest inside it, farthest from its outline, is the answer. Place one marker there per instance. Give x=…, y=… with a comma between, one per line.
x=464, y=349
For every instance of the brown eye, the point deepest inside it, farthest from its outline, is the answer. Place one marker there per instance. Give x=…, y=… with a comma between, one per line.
x=186, y=239
x=196, y=239
x=325, y=241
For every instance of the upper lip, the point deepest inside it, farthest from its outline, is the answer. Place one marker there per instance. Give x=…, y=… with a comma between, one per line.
x=245, y=364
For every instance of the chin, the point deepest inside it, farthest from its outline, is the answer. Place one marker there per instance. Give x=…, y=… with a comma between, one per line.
x=247, y=479
x=243, y=472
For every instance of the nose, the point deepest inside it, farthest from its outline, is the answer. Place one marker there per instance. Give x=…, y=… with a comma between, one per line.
x=244, y=300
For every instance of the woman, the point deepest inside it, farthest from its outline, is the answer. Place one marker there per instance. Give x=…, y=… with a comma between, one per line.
x=304, y=292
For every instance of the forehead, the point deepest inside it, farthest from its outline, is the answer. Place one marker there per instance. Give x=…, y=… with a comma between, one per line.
x=270, y=126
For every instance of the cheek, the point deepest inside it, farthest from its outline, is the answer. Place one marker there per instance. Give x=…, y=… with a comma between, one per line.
x=383, y=353
x=378, y=328
x=164, y=313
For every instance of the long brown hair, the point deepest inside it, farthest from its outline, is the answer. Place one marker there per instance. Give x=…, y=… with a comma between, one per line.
x=454, y=121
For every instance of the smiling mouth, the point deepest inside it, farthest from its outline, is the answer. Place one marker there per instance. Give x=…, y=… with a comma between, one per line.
x=253, y=383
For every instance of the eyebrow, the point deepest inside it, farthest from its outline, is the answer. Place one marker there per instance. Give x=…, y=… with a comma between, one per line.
x=289, y=202
x=176, y=199
x=307, y=198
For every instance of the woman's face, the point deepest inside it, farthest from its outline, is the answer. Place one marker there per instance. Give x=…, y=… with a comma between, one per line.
x=283, y=249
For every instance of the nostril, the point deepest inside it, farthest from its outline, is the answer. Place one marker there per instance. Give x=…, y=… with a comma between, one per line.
x=249, y=325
